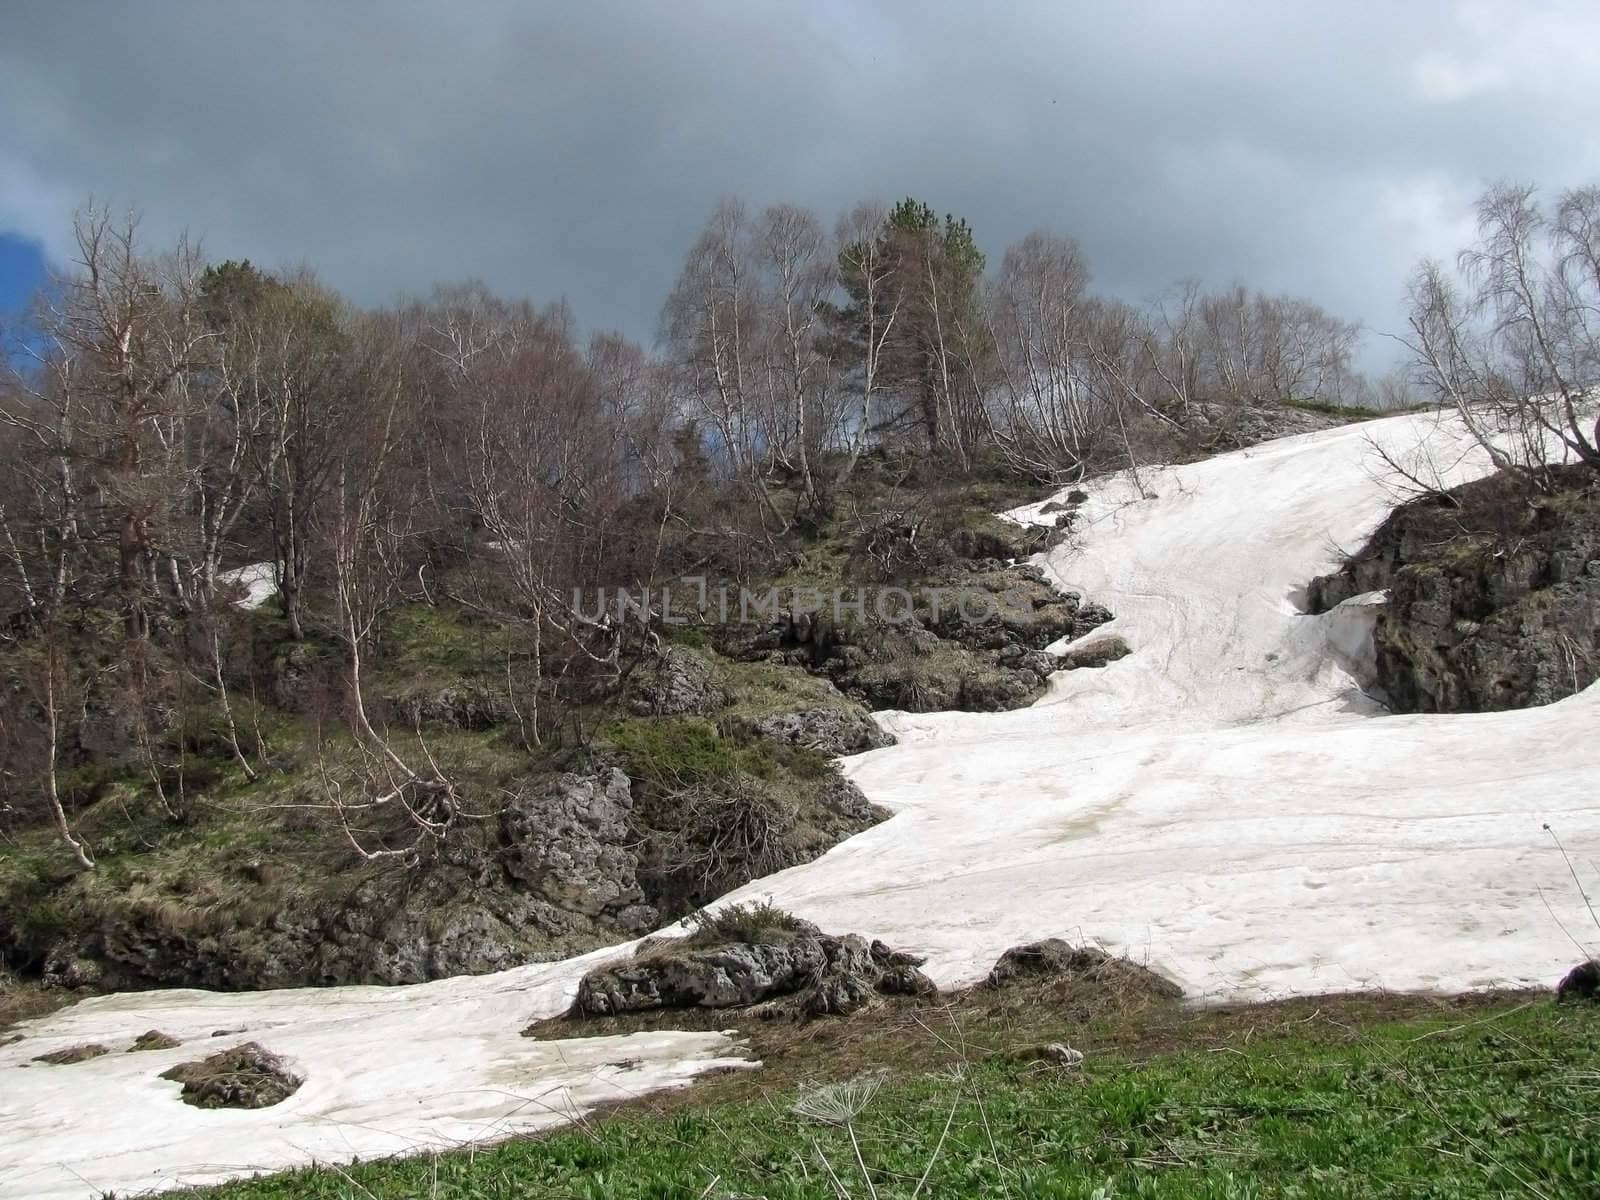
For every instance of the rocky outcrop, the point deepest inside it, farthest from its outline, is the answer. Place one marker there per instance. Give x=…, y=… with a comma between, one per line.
x=455, y=705
x=72, y=1054
x=725, y=976
x=813, y=973
x=568, y=863
x=1493, y=597
x=972, y=636
x=1231, y=426
x=554, y=874
x=245, y=1076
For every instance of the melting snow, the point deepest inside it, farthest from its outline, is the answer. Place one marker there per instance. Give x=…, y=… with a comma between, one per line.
x=1224, y=803
x=259, y=581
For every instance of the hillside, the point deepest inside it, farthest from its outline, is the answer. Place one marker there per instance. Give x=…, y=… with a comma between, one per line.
x=1223, y=804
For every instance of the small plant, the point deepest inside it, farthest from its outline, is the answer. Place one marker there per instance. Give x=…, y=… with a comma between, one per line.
x=839, y=1103
x=747, y=923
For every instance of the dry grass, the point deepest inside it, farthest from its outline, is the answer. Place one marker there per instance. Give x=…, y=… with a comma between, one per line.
x=1107, y=1012
x=22, y=1000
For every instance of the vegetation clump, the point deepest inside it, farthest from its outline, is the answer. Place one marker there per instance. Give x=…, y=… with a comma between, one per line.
x=245, y=1076
x=72, y=1054
x=750, y=922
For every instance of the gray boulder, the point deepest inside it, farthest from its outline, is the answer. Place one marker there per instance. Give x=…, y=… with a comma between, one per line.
x=832, y=731
x=678, y=683
x=571, y=844
x=1097, y=652
x=730, y=975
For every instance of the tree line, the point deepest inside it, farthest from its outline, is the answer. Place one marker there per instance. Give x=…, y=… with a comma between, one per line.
x=168, y=418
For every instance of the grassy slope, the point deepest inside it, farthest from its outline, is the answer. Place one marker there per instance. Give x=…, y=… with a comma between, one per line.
x=1326, y=1098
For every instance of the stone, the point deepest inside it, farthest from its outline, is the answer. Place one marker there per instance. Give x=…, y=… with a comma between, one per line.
x=906, y=981
x=1090, y=617
x=723, y=976
x=571, y=843
x=1095, y=653
x=834, y=731
x=885, y=956
x=814, y=974
x=678, y=683
x=1580, y=983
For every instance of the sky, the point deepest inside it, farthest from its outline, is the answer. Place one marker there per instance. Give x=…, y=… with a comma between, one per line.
x=572, y=150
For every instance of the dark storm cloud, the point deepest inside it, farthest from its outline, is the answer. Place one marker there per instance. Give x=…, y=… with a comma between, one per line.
x=573, y=149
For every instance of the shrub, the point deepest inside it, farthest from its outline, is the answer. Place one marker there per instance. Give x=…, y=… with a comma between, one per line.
x=753, y=922
x=677, y=752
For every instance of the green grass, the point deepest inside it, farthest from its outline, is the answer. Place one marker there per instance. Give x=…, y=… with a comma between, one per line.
x=1441, y=1108
x=678, y=752
x=443, y=642
x=681, y=752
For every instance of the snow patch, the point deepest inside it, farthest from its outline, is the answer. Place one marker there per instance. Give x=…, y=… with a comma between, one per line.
x=399, y=1070
x=259, y=582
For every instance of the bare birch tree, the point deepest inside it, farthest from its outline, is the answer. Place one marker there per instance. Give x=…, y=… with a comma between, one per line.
x=791, y=253
x=1513, y=344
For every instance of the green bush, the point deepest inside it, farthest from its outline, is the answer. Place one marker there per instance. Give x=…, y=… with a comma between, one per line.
x=749, y=923
x=42, y=922
x=681, y=752
x=692, y=636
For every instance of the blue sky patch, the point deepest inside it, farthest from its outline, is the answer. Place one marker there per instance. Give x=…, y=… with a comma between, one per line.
x=21, y=271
